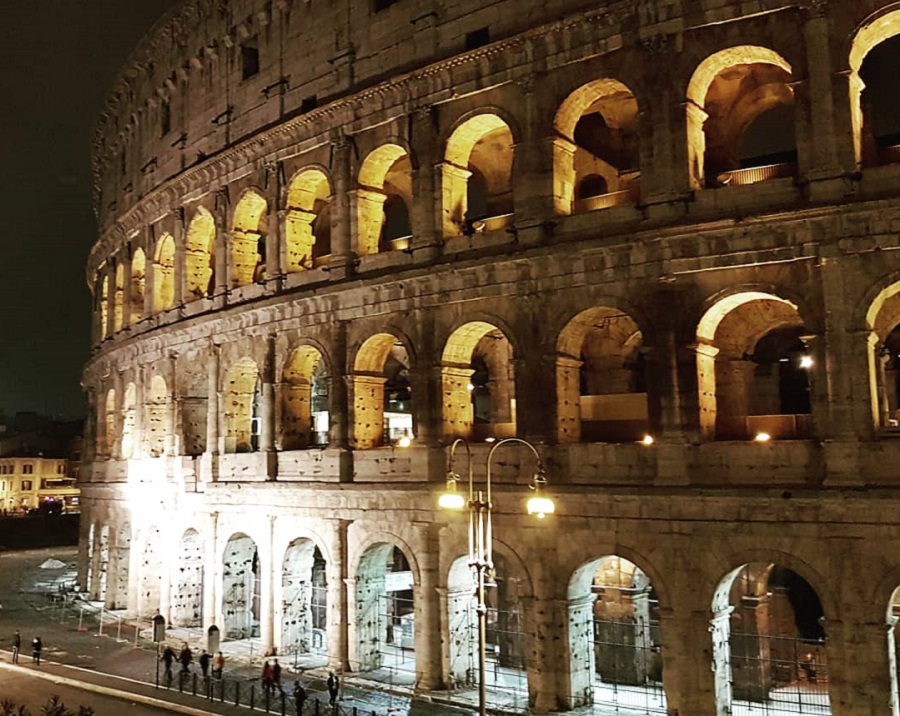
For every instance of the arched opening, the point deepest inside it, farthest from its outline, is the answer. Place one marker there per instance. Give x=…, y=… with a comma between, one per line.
x=150, y=591
x=164, y=275
x=241, y=588
x=477, y=177
x=156, y=416
x=249, y=226
x=614, y=638
x=382, y=398
x=769, y=651
x=385, y=616
x=383, y=199
x=119, y=299
x=601, y=378
x=753, y=370
x=596, y=153
x=107, y=437
x=120, y=569
x=304, y=614
x=477, y=372
x=307, y=221
x=129, y=406
x=874, y=106
x=304, y=412
x=741, y=118
x=505, y=678
x=241, y=407
x=893, y=616
x=102, y=294
x=187, y=597
x=883, y=323
x=200, y=256
x=138, y=281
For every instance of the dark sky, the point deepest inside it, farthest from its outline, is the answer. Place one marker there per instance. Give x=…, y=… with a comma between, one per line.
x=58, y=60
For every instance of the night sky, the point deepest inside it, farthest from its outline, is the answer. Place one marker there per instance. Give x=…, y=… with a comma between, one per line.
x=59, y=58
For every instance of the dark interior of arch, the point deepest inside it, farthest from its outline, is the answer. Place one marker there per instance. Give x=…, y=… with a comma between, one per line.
x=618, y=147
x=770, y=139
x=880, y=100
x=807, y=606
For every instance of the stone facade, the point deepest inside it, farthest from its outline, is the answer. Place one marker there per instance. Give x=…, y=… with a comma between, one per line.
x=645, y=236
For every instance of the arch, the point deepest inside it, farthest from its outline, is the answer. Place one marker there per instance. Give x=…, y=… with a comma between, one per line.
x=882, y=324
x=241, y=575
x=384, y=615
x=308, y=219
x=119, y=298
x=385, y=182
x=600, y=378
x=249, y=226
x=753, y=368
x=164, y=274
x=303, y=599
x=200, y=255
x=480, y=147
x=727, y=93
x=596, y=154
x=129, y=406
x=477, y=374
x=241, y=406
x=138, y=282
x=768, y=641
x=304, y=414
x=103, y=308
x=108, y=420
x=156, y=423
x=381, y=400
x=187, y=598
x=614, y=635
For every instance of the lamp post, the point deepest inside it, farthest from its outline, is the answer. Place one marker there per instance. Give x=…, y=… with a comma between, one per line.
x=481, y=533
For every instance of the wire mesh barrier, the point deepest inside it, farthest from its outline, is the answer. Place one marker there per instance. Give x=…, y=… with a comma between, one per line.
x=773, y=675
x=628, y=667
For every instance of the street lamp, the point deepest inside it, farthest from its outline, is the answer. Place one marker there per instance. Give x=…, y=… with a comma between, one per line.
x=481, y=532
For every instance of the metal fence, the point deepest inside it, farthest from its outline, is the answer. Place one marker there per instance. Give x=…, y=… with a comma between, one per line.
x=628, y=666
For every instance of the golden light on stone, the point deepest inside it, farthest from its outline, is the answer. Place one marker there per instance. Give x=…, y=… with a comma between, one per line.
x=762, y=437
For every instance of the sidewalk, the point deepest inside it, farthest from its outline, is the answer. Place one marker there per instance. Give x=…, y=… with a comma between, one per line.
x=100, y=661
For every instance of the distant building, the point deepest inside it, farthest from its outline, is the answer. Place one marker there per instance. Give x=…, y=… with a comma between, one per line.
x=26, y=482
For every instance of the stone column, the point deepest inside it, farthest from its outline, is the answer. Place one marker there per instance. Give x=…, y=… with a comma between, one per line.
x=533, y=167
x=110, y=300
x=126, y=290
x=267, y=407
x=535, y=388
x=211, y=574
x=274, y=235
x=140, y=398
x=450, y=192
x=338, y=586
x=859, y=681
x=822, y=150
x=426, y=239
x=547, y=670
x=751, y=673
x=456, y=401
x=173, y=410
x=178, y=271
x=267, y=589
x=367, y=207
x=578, y=649
x=692, y=667
x=367, y=395
x=425, y=382
x=567, y=418
x=428, y=609
x=342, y=256
x=212, y=414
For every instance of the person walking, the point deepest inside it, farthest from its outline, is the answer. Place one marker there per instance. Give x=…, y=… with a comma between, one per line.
x=218, y=665
x=299, y=697
x=205, y=658
x=168, y=658
x=186, y=657
x=267, y=677
x=334, y=686
x=17, y=645
x=36, y=647
x=276, y=676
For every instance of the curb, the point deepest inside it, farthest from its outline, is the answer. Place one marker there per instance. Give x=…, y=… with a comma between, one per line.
x=107, y=691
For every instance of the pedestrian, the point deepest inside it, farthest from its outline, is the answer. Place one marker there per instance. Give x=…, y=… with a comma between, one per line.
x=299, y=697
x=17, y=644
x=276, y=676
x=218, y=665
x=334, y=686
x=36, y=647
x=205, y=658
x=267, y=676
x=186, y=658
x=168, y=658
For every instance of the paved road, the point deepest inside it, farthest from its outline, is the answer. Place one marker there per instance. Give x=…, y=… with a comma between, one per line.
x=23, y=688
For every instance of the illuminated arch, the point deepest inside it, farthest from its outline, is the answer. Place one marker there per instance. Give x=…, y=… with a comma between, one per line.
x=304, y=607
x=108, y=422
x=307, y=223
x=716, y=125
x=138, y=281
x=298, y=397
x=249, y=226
x=603, y=106
x=241, y=406
x=385, y=185
x=103, y=304
x=370, y=377
x=478, y=383
x=156, y=416
x=187, y=596
x=119, y=298
x=129, y=406
x=164, y=274
x=476, y=176
x=199, y=255
x=735, y=337
x=241, y=587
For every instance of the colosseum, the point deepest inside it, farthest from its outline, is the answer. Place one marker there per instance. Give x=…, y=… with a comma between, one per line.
x=654, y=240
